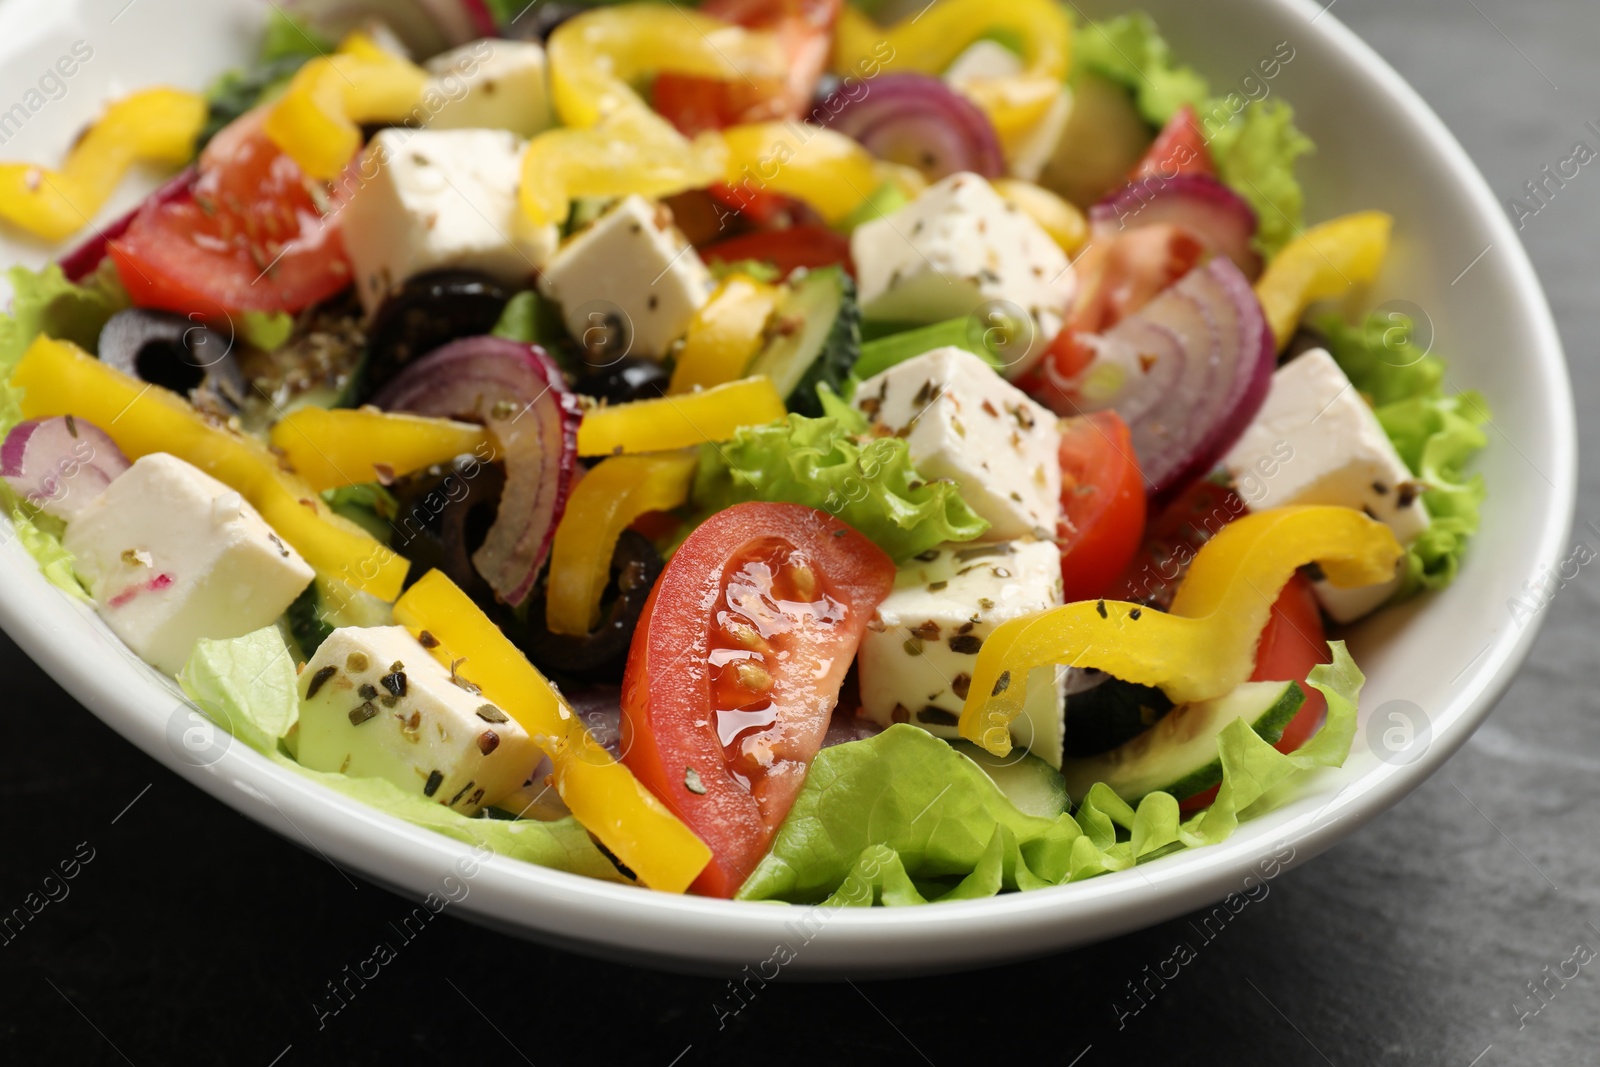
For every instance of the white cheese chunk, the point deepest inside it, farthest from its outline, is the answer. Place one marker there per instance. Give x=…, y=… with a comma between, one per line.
x=375, y=704
x=632, y=264
x=1027, y=154
x=490, y=84
x=916, y=659
x=429, y=199
x=964, y=422
x=1315, y=441
x=172, y=555
x=955, y=248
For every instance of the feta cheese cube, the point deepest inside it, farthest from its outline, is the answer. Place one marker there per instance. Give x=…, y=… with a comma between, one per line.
x=375, y=704
x=490, y=84
x=1315, y=441
x=956, y=247
x=916, y=659
x=1027, y=154
x=632, y=263
x=171, y=555
x=964, y=422
x=429, y=199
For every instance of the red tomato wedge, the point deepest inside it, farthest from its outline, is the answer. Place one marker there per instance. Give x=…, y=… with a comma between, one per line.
x=252, y=235
x=1180, y=148
x=735, y=669
x=787, y=250
x=805, y=28
x=1292, y=644
x=1102, y=504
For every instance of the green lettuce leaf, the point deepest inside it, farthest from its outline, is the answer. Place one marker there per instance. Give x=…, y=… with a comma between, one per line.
x=247, y=686
x=1255, y=145
x=903, y=818
x=1435, y=434
x=867, y=482
x=45, y=302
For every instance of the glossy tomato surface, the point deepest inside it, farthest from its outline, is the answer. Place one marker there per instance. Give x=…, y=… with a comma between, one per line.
x=736, y=667
x=1102, y=504
x=788, y=250
x=254, y=234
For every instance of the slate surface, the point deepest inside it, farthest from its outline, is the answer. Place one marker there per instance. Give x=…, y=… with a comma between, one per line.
x=193, y=936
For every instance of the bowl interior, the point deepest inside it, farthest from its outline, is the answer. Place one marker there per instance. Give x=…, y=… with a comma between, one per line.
x=1456, y=267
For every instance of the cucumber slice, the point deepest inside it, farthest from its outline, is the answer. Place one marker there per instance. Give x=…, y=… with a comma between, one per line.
x=328, y=604
x=820, y=341
x=1111, y=713
x=1035, y=787
x=1178, y=755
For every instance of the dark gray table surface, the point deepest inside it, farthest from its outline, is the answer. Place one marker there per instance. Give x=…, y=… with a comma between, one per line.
x=195, y=936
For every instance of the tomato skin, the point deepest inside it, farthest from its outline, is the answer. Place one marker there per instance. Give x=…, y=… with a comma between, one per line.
x=1102, y=504
x=249, y=236
x=1180, y=148
x=805, y=28
x=1292, y=644
x=788, y=250
x=684, y=690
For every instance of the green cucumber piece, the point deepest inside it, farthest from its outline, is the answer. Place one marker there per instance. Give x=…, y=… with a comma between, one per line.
x=1110, y=714
x=329, y=604
x=1035, y=787
x=820, y=340
x=881, y=353
x=1178, y=755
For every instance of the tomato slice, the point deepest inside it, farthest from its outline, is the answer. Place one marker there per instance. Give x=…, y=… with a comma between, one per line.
x=788, y=250
x=735, y=669
x=1102, y=504
x=1180, y=148
x=1292, y=644
x=805, y=28
x=254, y=234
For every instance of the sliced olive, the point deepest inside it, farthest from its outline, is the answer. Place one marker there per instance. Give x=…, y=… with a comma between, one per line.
x=176, y=353
x=629, y=378
x=601, y=655
x=430, y=310
x=444, y=514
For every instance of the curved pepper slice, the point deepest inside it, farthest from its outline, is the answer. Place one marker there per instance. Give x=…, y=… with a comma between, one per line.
x=1202, y=649
x=334, y=447
x=930, y=41
x=829, y=171
x=724, y=335
x=614, y=493
x=58, y=378
x=316, y=122
x=604, y=795
x=151, y=126
x=1326, y=261
x=674, y=422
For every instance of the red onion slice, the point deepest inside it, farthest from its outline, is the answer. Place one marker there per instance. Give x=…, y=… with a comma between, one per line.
x=1199, y=203
x=917, y=120
x=83, y=260
x=1187, y=373
x=517, y=391
x=58, y=465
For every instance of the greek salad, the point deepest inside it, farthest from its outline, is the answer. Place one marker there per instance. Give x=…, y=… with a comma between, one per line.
x=770, y=449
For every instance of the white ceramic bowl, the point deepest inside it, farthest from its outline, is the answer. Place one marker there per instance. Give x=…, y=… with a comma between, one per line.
x=1379, y=146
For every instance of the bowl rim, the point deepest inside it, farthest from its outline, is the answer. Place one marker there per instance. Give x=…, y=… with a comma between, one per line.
x=681, y=932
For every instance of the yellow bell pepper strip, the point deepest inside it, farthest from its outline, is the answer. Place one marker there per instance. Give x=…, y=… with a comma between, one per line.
x=316, y=122
x=1326, y=261
x=674, y=422
x=614, y=493
x=1205, y=646
x=597, y=57
x=930, y=40
x=724, y=335
x=1062, y=220
x=614, y=143
x=151, y=126
x=604, y=795
x=331, y=448
x=58, y=378
x=829, y=171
